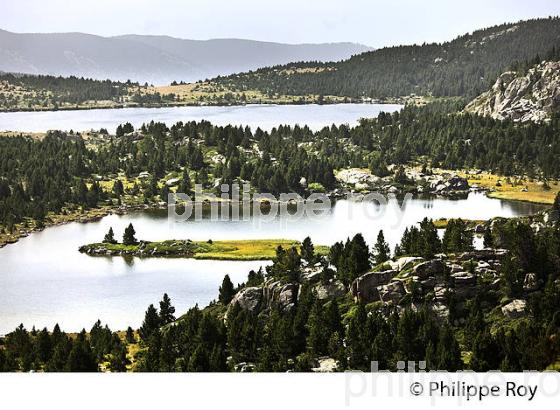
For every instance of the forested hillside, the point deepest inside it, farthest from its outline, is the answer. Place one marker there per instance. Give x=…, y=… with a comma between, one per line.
x=20, y=91
x=465, y=66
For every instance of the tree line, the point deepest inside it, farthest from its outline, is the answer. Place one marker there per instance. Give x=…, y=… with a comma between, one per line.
x=465, y=66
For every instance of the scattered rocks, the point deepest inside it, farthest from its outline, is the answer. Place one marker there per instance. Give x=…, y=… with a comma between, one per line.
x=325, y=365
x=515, y=309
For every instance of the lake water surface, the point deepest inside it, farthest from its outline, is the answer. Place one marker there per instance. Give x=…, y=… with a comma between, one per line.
x=265, y=116
x=45, y=280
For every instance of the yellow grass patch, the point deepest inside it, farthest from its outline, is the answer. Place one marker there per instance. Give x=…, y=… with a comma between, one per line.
x=515, y=188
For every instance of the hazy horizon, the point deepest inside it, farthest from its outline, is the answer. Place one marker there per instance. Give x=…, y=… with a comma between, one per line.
x=372, y=23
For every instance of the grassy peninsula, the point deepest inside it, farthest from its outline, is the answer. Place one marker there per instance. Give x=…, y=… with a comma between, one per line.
x=242, y=250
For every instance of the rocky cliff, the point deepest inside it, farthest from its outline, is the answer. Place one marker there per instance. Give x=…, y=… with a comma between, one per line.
x=530, y=96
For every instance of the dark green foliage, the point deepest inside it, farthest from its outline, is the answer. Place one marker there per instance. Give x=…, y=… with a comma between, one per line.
x=465, y=66
x=458, y=237
x=110, y=237
x=151, y=323
x=351, y=258
x=423, y=241
x=287, y=264
x=488, y=239
x=71, y=89
x=125, y=128
x=381, y=250
x=130, y=338
x=186, y=186
x=226, y=291
x=128, y=236
x=56, y=352
x=307, y=250
x=166, y=310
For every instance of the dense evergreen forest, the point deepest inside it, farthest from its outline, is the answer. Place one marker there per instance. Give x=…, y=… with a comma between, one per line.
x=38, y=176
x=465, y=66
x=74, y=90
x=228, y=336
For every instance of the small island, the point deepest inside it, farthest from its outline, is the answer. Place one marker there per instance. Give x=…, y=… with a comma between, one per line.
x=241, y=250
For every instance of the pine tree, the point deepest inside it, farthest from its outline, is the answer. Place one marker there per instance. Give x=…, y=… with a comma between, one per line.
x=185, y=187
x=118, y=360
x=130, y=336
x=109, y=236
x=227, y=291
x=166, y=310
x=307, y=250
x=118, y=188
x=128, y=236
x=381, y=249
x=81, y=357
x=430, y=242
x=151, y=323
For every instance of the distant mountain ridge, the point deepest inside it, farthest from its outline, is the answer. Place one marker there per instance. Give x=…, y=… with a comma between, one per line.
x=153, y=59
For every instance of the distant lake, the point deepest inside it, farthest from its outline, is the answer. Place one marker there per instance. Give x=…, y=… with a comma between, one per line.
x=265, y=116
x=45, y=280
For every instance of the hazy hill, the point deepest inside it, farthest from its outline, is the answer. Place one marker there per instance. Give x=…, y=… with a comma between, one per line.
x=465, y=66
x=155, y=59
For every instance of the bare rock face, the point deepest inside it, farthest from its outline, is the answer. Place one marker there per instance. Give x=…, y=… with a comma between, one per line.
x=464, y=284
x=533, y=96
x=248, y=299
x=429, y=268
x=330, y=290
x=405, y=262
x=514, y=309
x=392, y=292
x=364, y=288
x=277, y=294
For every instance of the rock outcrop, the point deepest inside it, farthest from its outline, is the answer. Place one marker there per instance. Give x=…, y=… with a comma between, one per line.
x=430, y=268
x=332, y=290
x=514, y=309
x=248, y=299
x=277, y=294
x=532, y=96
x=364, y=288
x=392, y=292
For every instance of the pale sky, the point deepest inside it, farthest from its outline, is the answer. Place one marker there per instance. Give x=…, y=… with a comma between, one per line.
x=372, y=22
